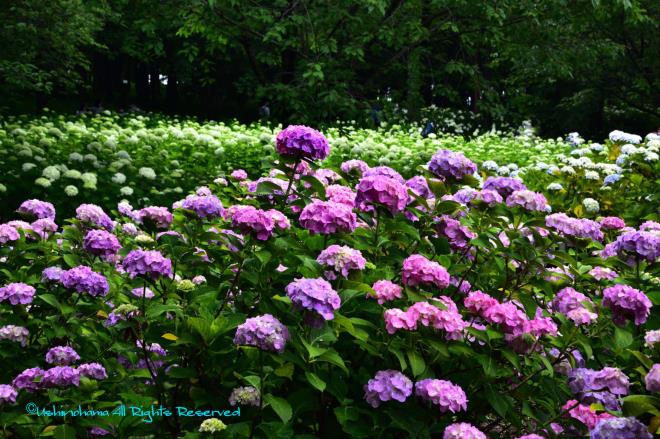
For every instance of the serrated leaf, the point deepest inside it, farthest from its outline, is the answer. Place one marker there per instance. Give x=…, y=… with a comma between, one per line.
x=281, y=406
x=315, y=381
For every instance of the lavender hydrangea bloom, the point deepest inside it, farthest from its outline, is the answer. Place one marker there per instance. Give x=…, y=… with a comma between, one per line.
x=384, y=171
x=7, y=394
x=142, y=291
x=250, y=220
x=449, y=164
x=8, y=234
x=101, y=243
x=29, y=379
x=445, y=394
x=44, y=227
x=247, y=395
x=95, y=216
x=489, y=197
x=340, y=194
x=574, y=305
x=150, y=263
x=418, y=270
x=626, y=302
x=612, y=223
x=579, y=228
x=464, y=196
x=645, y=244
x=239, y=175
x=98, y=431
x=158, y=216
x=652, y=379
x=419, y=186
x=342, y=259
x=302, y=142
x=603, y=273
x=314, y=295
x=386, y=291
x=208, y=206
x=651, y=338
x=37, y=208
x=264, y=332
x=17, y=293
x=620, y=428
x=458, y=235
x=383, y=190
x=61, y=356
x=509, y=316
x=387, y=385
x=60, y=376
x=462, y=430
x=531, y=436
x=84, y=280
x=610, y=379
x=51, y=274
x=92, y=370
x=14, y=333
x=350, y=166
x=326, y=217
x=504, y=186
x=528, y=200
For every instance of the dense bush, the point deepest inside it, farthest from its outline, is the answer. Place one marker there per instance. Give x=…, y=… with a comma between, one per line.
x=334, y=302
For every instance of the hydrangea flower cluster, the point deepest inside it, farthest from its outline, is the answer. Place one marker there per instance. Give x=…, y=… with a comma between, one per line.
x=29, y=379
x=652, y=379
x=445, y=394
x=574, y=305
x=620, y=428
x=247, y=395
x=44, y=227
x=504, y=186
x=60, y=376
x=450, y=164
x=15, y=333
x=603, y=386
x=84, y=280
x=462, y=430
x=204, y=206
x=158, y=216
x=264, y=332
x=51, y=274
x=385, y=291
x=340, y=194
x=62, y=356
x=384, y=171
x=92, y=370
x=528, y=200
x=584, y=414
x=300, y=141
x=101, y=243
x=418, y=270
x=38, y=209
x=17, y=293
x=387, y=385
x=382, y=190
x=651, y=338
x=314, y=295
x=7, y=394
x=327, y=217
x=603, y=273
x=8, y=234
x=93, y=215
x=419, y=186
x=626, y=302
x=612, y=223
x=448, y=320
x=351, y=166
x=642, y=244
x=250, y=220
x=458, y=235
x=149, y=263
x=341, y=259
x=579, y=228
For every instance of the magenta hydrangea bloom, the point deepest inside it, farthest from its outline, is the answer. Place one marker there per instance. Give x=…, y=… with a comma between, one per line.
x=612, y=223
x=314, y=295
x=250, y=220
x=62, y=356
x=652, y=379
x=44, y=227
x=158, y=216
x=462, y=430
x=478, y=302
x=579, y=228
x=351, y=166
x=386, y=291
x=15, y=333
x=340, y=194
x=530, y=436
x=29, y=379
x=17, y=293
x=584, y=414
x=574, y=305
x=419, y=186
x=504, y=186
x=489, y=197
x=101, y=243
x=387, y=385
x=7, y=394
x=8, y=234
x=620, y=428
x=384, y=171
x=84, y=280
x=239, y=174
x=626, y=302
x=264, y=332
x=418, y=270
x=92, y=370
x=60, y=376
x=379, y=189
x=341, y=259
x=396, y=319
x=445, y=394
x=247, y=395
x=326, y=217
x=509, y=316
x=142, y=291
x=458, y=235
x=92, y=214
x=302, y=142
x=528, y=200
x=204, y=206
x=603, y=273
x=38, y=209
x=150, y=263
x=449, y=164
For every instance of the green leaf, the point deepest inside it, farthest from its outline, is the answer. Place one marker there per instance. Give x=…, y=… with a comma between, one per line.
x=71, y=260
x=281, y=407
x=635, y=405
x=501, y=403
x=64, y=432
x=51, y=300
x=622, y=338
x=285, y=370
x=315, y=381
x=417, y=363
x=331, y=356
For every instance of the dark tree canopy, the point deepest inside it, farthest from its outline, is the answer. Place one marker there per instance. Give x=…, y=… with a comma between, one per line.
x=566, y=65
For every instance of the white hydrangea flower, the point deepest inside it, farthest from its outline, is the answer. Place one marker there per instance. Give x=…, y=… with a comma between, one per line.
x=568, y=170
x=650, y=157
x=71, y=190
x=28, y=166
x=51, y=173
x=592, y=175
x=72, y=173
x=75, y=157
x=591, y=205
x=620, y=136
x=126, y=191
x=212, y=425
x=3, y=188
x=555, y=187
x=119, y=178
x=147, y=173
x=43, y=182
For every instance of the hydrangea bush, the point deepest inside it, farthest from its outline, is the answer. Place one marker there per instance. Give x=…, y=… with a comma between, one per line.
x=338, y=301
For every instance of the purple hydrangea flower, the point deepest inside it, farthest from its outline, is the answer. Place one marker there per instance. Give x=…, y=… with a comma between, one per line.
x=44, y=227
x=419, y=186
x=396, y=319
x=142, y=291
x=326, y=217
x=446, y=395
x=652, y=379
x=61, y=356
x=387, y=385
x=612, y=223
x=462, y=430
x=95, y=216
x=340, y=194
x=626, y=303
x=37, y=208
x=84, y=280
x=645, y=244
x=357, y=166
x=489, y=197
x=60, y=376
x=8, y=233
x=620, y=428
x=504, y=186
x=29, y=379
x=531, y=436
x=651, y=338
x=247, y=395
x=576, y=306
x=150, y=263
x=51, y=274
x=603, y=273
x=382, y=190
x=579, y=228
x=314, y=295
x=14, y=333
x=101, y=243
x=508, y=315
x=92, y=370
x=478, y=302
x=207, y=206
x=449, y=164
x=418, y=270
x=17, y=293
x=342, y=259
x=528, y=200
x=264, y=332
x=384, y=171
x=7, y=394
x=386, y=291
x=302, y=142
x=98, y=431
x=458, y=235
x=250, y=220
x=158, y=216
x=239, y=175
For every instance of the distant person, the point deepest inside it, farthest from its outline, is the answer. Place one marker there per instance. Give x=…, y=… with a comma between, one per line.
x=264, y=112
x=428, y=129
